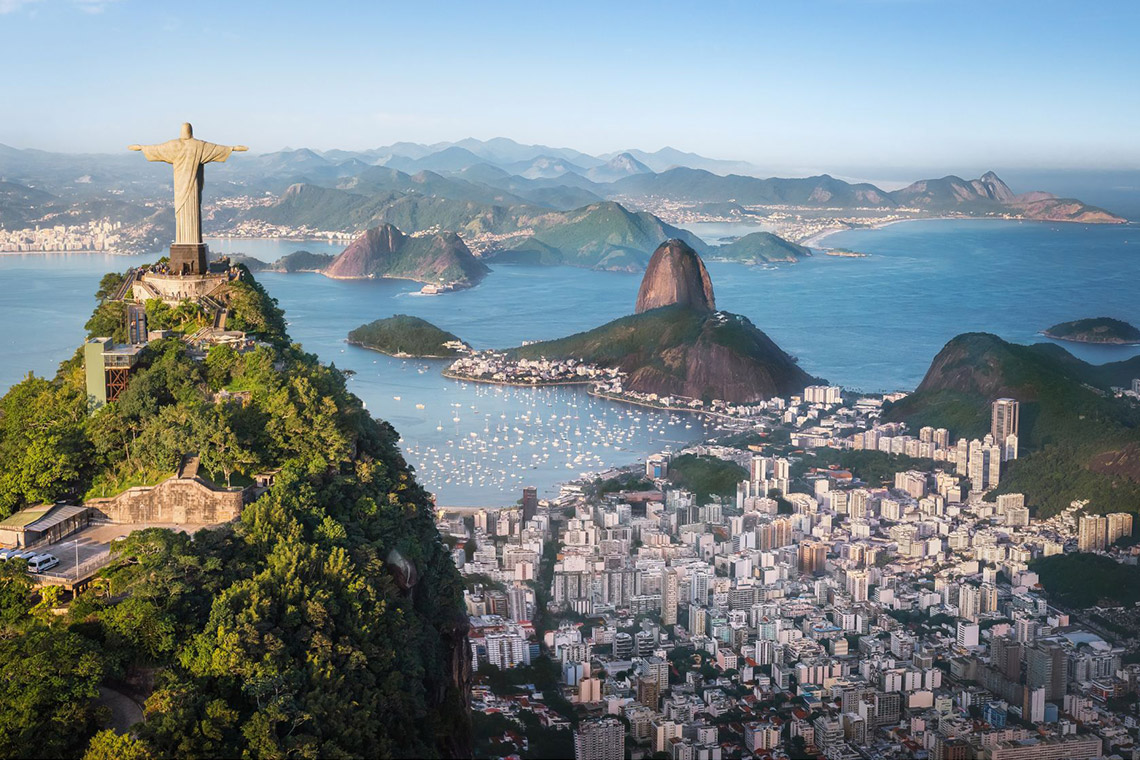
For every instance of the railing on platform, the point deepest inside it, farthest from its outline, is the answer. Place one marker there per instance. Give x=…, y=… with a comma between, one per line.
x=80, y=572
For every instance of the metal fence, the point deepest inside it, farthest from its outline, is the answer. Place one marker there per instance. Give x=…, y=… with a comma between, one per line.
x=85, y=569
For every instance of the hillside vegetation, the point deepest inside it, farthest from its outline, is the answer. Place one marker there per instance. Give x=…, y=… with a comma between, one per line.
x=1095, y=330
x=675, y=350
x=403, y=335
x=325, y=622
x=760, y=247
x=1076, y=441
x=1084, y=580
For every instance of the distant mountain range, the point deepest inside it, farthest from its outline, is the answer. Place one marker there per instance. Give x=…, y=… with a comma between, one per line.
x=546, y=205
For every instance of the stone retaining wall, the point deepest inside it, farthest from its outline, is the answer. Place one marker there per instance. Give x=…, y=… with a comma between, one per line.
x=175, y=500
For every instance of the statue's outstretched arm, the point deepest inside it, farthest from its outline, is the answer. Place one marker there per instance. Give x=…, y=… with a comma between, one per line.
x=164, y=152
x=239, y=149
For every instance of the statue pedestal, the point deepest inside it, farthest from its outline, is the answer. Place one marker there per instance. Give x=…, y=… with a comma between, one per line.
x=188, y=258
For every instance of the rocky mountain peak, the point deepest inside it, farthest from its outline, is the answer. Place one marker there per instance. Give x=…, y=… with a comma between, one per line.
x=675, y=275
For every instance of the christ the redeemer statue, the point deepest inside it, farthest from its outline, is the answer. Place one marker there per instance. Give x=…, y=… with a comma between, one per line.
x=188, y=155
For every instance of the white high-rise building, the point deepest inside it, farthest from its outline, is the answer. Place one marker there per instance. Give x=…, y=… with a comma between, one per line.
x=967, y=634
x=670, y=596
x=699, y=588
x=1092, y=533
x=1119, y=525
x=508, y=649
x=602, y=739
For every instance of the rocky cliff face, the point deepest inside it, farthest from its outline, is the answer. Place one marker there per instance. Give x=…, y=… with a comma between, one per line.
x=384, y=251
x=675, y=275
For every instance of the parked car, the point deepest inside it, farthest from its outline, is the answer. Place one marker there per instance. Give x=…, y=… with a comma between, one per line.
x=42, y=562
x=23, y=554
x=5, y=552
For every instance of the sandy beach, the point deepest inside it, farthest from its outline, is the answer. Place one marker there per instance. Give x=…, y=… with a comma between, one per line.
x=816, y=240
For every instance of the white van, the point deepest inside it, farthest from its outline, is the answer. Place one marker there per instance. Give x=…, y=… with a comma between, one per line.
x=5, y=552
x=41, y=562
x=23, y=554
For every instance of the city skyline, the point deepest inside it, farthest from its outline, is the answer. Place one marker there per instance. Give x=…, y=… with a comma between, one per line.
x=892, y=84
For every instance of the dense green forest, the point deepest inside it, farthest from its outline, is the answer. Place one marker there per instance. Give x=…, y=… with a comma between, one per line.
x=403, y=335
x=285, y=633
x=706, y=476
x=1085, y=580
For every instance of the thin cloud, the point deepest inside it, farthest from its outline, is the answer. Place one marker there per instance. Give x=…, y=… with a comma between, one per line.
x=11, y=6
x=93, y=6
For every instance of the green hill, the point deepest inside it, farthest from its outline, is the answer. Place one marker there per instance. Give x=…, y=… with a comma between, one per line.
x=759, y=247
x=676, y=350
x=303, y=261
x=403, y=335
x=602, y=235
x=326, y=621
x=1095, y=330
x=1076, y=441
x=599, y=236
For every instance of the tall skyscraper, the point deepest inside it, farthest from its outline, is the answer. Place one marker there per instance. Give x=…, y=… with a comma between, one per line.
x=1047, y=666
x=601, y=739
x=529, y=503
x=1003, y=420
x=699, y=588
x=812, y=557
x=1119, y=525
x=670, y=596
x=1092, y=533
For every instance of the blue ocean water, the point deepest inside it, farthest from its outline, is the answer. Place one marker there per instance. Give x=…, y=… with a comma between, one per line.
x=869, y=323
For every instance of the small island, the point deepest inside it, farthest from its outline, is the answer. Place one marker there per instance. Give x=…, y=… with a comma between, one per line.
x=1102, y=330
x=761, y=248
x=406, y=336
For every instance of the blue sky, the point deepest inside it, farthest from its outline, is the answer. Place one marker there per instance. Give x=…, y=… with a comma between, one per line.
x=791, y=85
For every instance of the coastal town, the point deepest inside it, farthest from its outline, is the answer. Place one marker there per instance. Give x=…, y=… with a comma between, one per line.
x=651, y=612
x=102, y=236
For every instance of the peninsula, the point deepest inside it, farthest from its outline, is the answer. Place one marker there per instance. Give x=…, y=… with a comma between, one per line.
x=676, y=351
x=1102, y=330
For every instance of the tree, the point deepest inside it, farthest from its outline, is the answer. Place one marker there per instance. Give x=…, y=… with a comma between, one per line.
x=107, y=745
x=15, y=593
x=141, y=627
x=108, y=321
x=108, y=284
x=47, y=692
x=43, y=452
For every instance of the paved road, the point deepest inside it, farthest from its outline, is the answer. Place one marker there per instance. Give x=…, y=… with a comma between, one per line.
x=125, y=712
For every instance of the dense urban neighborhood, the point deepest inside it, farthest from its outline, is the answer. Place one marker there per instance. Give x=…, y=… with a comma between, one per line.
x=824, y=585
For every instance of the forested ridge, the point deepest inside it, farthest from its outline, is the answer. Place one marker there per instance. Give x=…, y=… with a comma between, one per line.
x=325, y=622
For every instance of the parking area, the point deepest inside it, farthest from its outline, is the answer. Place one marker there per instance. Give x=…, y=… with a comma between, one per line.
x=84, y=553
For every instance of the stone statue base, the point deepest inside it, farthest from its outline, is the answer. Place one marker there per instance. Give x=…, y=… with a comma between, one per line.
x=188, y=258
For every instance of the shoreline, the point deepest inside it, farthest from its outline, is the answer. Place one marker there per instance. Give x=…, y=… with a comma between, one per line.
x=816, y=240
x=80, y=251
x=1107, y=343
x=546, y=384
x=366, y=347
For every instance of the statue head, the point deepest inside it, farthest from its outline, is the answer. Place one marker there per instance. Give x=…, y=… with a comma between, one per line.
x=187, y=130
